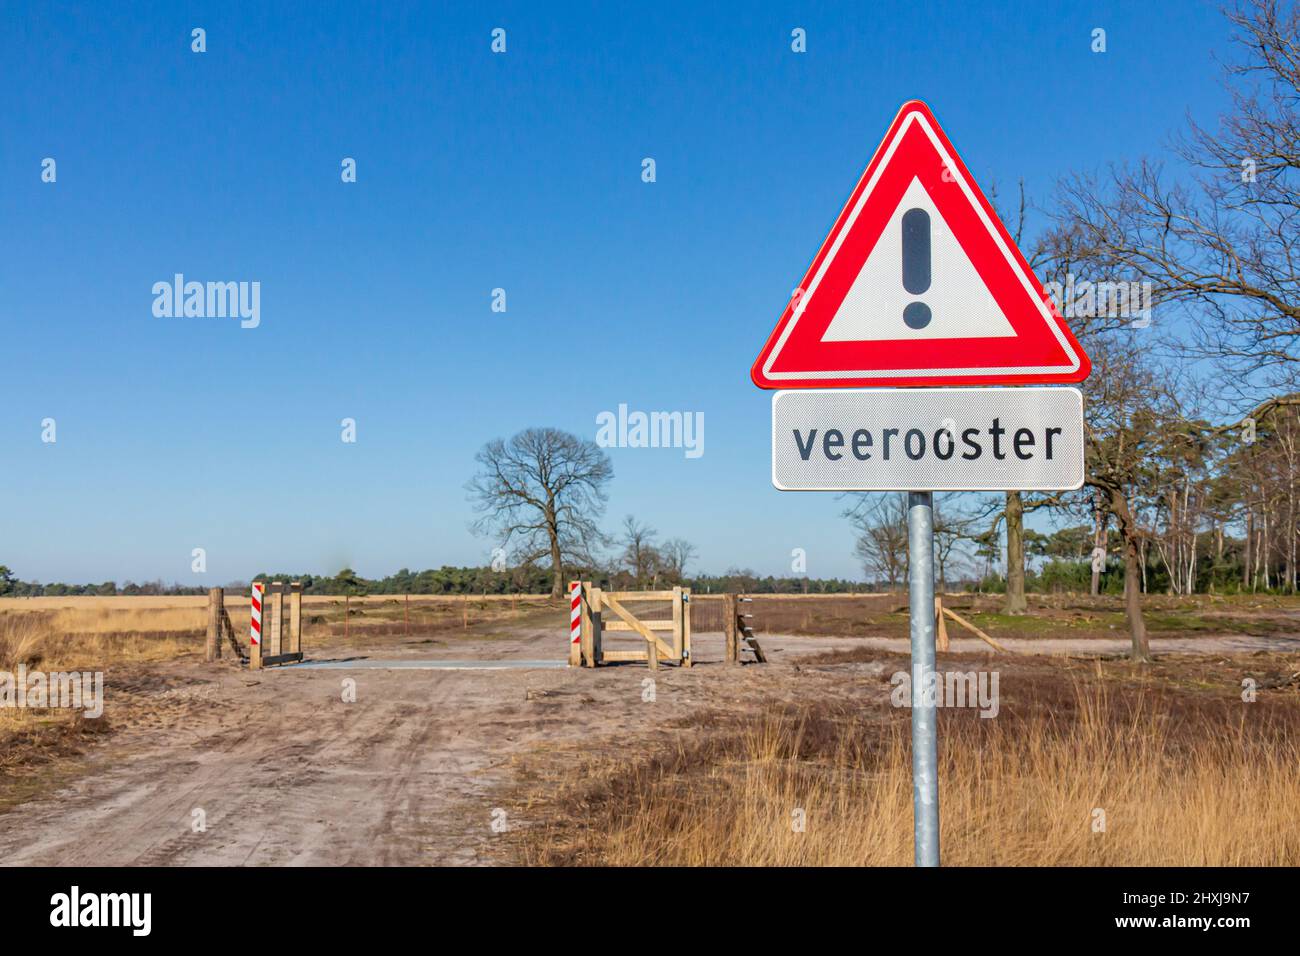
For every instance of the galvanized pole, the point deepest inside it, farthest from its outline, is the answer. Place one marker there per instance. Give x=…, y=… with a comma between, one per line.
x=925, y=748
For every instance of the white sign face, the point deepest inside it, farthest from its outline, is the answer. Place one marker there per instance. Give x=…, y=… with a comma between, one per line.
x=928, y=439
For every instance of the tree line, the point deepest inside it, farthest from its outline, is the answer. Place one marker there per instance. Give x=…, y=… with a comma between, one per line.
x=445, y=580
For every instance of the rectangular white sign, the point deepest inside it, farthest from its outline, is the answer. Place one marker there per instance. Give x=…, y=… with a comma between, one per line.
x=928, y=439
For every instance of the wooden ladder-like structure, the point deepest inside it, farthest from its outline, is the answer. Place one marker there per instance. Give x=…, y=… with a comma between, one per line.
x=739, y=634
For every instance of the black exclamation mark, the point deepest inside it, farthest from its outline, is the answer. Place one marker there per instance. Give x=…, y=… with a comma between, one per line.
x=916, y=265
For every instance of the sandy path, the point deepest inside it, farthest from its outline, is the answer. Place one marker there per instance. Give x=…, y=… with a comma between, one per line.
x=286, y=772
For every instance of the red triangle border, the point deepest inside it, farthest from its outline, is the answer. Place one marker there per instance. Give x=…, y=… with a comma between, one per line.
x=1043, y=351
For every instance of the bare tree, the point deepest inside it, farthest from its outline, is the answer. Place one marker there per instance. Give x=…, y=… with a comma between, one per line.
x=1015, y=515
x=541, y=494
x=1222, y=244
x=640, y=556
x=1259, y=486
x=881, y=545
x=1100, y=528
x=677, y=553
x=956, y=516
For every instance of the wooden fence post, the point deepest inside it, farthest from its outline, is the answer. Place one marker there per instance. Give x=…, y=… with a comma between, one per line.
x=679, y=638
x=586, y=650
x=941, y=629
x=732, y=650
x=687, y=660
x=595, y=605
x=276, y=591
x=295, y=617
x=216, y=599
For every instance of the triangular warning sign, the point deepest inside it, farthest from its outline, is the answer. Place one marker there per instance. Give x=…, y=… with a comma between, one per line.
x=918, y=284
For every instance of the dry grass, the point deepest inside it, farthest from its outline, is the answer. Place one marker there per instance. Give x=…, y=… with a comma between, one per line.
x=121, y=601
x=98, y=619
x=1182, y=780
x=33, y=738
x=20, y=640
x=91, y=638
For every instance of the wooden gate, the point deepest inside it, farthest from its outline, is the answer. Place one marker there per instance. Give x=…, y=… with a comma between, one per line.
x=661, y=638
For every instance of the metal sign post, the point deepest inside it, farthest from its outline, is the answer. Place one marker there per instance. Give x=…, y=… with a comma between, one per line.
x=925, y=738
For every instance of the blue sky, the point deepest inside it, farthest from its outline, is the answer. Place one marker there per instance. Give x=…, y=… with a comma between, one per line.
x=475, y=171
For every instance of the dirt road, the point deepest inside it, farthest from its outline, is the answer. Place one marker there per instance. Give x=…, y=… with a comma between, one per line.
x=280, y=768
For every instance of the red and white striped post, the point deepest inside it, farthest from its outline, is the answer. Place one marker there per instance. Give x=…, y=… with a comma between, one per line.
x=255, y=627
x=575, y=624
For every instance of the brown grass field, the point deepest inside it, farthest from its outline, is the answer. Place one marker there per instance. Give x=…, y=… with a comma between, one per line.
x=1189, y=779
x=720, y=768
